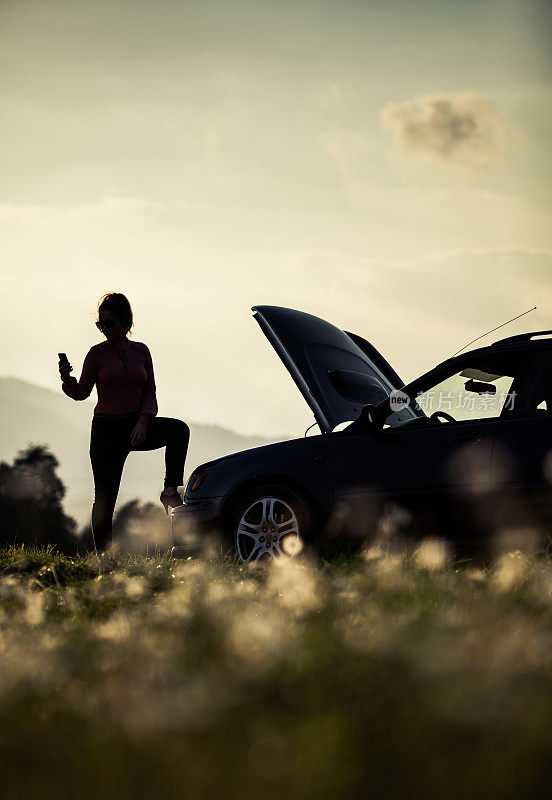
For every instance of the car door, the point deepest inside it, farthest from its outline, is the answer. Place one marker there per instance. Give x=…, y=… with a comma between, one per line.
x=430, y=473
x=521, y=467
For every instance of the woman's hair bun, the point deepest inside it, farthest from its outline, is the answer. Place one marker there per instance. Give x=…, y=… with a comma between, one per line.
x=118, y=304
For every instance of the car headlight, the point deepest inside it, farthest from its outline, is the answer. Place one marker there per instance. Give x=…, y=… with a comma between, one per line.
x=195, y=481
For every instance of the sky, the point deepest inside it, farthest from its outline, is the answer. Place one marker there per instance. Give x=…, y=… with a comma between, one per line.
x=383, y=164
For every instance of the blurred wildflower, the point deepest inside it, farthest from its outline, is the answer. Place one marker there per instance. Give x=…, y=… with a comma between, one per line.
x=296, y=586
x=510, y=571
x=432, y=554
x=257, y=637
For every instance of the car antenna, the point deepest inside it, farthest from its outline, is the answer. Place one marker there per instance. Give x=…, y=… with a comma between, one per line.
x=492, y=330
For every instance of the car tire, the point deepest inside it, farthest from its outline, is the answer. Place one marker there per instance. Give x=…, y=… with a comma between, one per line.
x=268, y=522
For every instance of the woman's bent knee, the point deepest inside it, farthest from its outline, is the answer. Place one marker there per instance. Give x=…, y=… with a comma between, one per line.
x=182, y=428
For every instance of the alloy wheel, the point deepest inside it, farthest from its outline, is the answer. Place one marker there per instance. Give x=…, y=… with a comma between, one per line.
x=267, y=528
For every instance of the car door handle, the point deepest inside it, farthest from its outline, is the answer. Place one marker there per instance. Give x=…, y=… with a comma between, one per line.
x=465, y=437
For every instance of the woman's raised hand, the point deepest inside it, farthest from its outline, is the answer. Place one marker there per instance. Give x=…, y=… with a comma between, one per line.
x=64, y=366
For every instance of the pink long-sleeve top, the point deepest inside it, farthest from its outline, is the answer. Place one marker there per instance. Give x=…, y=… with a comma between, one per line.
x=124, y=385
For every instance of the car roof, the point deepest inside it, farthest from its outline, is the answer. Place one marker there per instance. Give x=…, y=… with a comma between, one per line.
x=520, y=342
x=524, y=338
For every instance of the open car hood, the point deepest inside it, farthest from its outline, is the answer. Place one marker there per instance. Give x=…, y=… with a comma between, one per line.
x=338, y=373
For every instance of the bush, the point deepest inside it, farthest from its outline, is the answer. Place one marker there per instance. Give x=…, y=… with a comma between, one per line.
x=31, y=495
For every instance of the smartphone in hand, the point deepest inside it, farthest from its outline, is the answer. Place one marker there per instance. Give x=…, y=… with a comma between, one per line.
x=64, y=366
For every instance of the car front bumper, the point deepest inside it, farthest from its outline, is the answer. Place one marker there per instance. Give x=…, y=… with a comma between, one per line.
x=193, y=521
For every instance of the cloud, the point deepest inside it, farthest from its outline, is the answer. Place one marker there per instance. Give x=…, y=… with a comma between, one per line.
x=343, y=145
x=332, y=96
x=212, y=144
x=460, y=127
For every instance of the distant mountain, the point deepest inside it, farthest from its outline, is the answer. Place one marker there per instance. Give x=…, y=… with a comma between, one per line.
x=32, y=414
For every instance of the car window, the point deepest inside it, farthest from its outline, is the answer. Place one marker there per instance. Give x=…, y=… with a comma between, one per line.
x=477, y=389
x=540, y=399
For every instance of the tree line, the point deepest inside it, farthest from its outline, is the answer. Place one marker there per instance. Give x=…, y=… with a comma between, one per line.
x=31, y=506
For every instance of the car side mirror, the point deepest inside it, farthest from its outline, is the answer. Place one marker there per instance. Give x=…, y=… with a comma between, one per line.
x=366, y=421
x=479, y=387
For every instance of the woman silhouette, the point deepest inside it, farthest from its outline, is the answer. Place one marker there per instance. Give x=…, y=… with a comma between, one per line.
x=125, y=414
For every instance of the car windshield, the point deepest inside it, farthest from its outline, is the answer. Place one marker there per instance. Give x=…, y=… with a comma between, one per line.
x=476, y=389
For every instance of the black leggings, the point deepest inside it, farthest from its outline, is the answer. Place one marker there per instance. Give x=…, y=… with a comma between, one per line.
x=109, y=448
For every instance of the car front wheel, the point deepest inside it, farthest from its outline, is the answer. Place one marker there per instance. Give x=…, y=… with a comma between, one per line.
x=269, y=522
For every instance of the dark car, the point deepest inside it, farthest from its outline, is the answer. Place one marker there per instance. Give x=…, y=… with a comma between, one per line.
x=464, y=452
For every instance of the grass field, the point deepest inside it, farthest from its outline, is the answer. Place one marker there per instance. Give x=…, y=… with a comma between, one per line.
x=381, y=676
